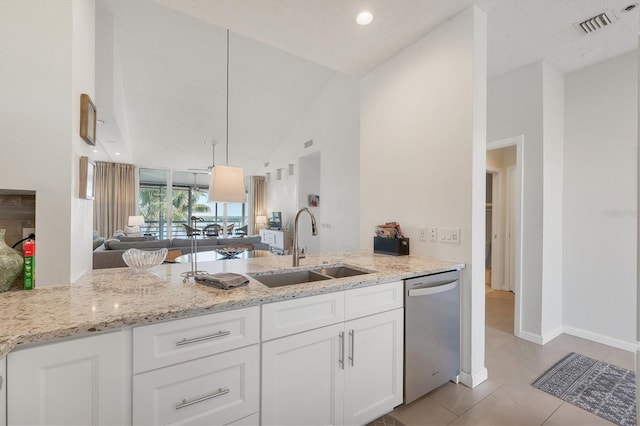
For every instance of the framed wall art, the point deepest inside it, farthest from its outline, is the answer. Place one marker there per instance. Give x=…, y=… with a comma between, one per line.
x=87, y=119
x=87, y=178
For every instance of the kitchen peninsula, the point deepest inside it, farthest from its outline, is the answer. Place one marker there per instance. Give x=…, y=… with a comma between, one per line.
x=141, y=308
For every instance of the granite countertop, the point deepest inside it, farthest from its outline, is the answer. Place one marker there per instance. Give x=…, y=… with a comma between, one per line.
x=109, y=299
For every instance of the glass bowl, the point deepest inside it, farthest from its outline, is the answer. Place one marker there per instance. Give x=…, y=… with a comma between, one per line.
x=144, y=260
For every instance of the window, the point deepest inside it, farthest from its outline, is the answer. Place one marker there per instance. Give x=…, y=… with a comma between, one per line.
x=189, y=192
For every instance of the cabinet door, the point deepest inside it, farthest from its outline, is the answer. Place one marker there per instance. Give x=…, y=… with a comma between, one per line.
x=214, y=390
x=72, y=382
x=3, y=392
x=302, y=378
x=278, y=240
x=373, y=374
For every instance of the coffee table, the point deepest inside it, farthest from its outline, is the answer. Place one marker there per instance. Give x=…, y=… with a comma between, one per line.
x=211, y=255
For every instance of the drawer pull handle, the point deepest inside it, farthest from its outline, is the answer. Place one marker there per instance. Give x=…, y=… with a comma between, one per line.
x=219, y=392
x=186, y=341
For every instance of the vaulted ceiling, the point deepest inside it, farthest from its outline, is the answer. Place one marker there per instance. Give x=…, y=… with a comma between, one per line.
x=161, y=64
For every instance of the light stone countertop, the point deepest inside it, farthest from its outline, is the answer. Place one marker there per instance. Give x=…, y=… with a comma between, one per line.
x=109, y=299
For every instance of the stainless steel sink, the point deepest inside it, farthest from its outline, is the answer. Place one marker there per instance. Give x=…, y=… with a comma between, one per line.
x=341, y=271
x=280, y=279
x=284, y=278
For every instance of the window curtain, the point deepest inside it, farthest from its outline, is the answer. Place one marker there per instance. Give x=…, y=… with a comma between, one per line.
x=115, y=196
x=256, y=200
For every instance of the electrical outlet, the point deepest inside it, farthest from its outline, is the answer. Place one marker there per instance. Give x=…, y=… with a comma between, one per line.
x=423, y=234
x=433, y=234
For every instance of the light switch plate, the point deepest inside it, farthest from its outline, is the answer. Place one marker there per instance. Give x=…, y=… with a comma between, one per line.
x=449, y=235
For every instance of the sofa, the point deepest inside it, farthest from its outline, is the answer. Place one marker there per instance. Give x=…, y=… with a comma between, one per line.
x=109, y=254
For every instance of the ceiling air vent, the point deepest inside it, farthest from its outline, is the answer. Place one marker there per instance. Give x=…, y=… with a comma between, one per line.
x=597, y=22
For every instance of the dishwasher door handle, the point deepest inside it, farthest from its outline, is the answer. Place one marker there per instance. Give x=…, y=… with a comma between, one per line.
x=426, y=291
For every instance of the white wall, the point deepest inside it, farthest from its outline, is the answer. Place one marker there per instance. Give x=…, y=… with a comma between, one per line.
x=422, y=156
x=309, y=173
x=332, y=122
x=552, y=241
x=514, y=108
x=600, y=201
x=46, y=64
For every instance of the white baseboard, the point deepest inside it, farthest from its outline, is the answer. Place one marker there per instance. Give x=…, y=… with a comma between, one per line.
x=534, y=338
x=474, y=380
x=547, y=337
x=600, y=338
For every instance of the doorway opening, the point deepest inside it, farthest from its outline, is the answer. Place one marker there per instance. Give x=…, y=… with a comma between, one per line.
x=503, y=234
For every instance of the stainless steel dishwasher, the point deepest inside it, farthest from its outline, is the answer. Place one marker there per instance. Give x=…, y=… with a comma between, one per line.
x=431, y=332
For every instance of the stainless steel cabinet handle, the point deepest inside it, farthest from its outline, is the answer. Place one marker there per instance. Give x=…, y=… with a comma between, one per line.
x=186, y=341
x=352, y=349
x=185, y=403
x=426, y=291
x=341, y=354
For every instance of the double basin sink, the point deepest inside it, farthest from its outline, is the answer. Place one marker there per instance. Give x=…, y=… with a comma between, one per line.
x=284, y=278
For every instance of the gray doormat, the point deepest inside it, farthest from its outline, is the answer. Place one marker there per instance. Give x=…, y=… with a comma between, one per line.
x=600, y=388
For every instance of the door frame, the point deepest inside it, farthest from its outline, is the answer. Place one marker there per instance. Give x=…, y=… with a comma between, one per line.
x=518, y=141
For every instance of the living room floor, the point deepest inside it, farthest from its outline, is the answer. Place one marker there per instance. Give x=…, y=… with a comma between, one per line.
x=507, y=397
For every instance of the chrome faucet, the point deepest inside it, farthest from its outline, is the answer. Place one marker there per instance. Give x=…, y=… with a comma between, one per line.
x=314, y=231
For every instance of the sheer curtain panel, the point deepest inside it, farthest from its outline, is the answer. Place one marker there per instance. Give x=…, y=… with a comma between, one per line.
x=115, y=196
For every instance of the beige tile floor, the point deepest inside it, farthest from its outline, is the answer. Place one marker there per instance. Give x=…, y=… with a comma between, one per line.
x=507, y=398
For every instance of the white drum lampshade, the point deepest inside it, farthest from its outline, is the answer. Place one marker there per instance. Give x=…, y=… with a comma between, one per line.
x=135, y=220
x=227, y=185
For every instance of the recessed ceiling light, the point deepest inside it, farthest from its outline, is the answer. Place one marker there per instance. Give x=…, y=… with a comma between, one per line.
x=117, y=153
x=364, y=18
x=99, y=121
x=95, y=150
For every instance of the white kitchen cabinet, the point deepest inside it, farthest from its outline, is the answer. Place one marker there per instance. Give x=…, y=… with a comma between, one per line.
x=217, y=389
x=345, y=373
x=199, y=370
x=373, y=370
x=3, y=391
x=81, y=381
x=280, y=242
x=166, y=343
x=302, y=378
x=296, y=315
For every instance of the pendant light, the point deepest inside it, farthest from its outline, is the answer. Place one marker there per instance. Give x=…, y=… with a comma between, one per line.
x=227, y=183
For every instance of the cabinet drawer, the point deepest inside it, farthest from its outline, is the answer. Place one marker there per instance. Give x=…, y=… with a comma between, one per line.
x=162, y=344
x=374, y=299
x=294, y=316
x=218, y=389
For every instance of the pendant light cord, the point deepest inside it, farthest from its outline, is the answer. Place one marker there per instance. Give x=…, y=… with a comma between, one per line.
x=227, y=150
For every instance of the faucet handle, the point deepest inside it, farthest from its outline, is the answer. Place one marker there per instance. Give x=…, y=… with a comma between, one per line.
x=302, y=252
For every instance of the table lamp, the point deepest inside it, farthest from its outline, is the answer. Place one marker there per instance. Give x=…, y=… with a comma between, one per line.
x=261, y=221
x=133, y=224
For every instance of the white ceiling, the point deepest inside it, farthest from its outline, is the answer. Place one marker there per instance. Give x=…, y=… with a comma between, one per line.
x=160, y=64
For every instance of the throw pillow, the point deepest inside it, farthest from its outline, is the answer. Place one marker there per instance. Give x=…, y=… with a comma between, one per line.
x=107, y=243
x=136, y=239
x=132, y=231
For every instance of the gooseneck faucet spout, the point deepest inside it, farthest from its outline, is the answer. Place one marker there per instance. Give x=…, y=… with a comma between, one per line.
x=314, y=231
